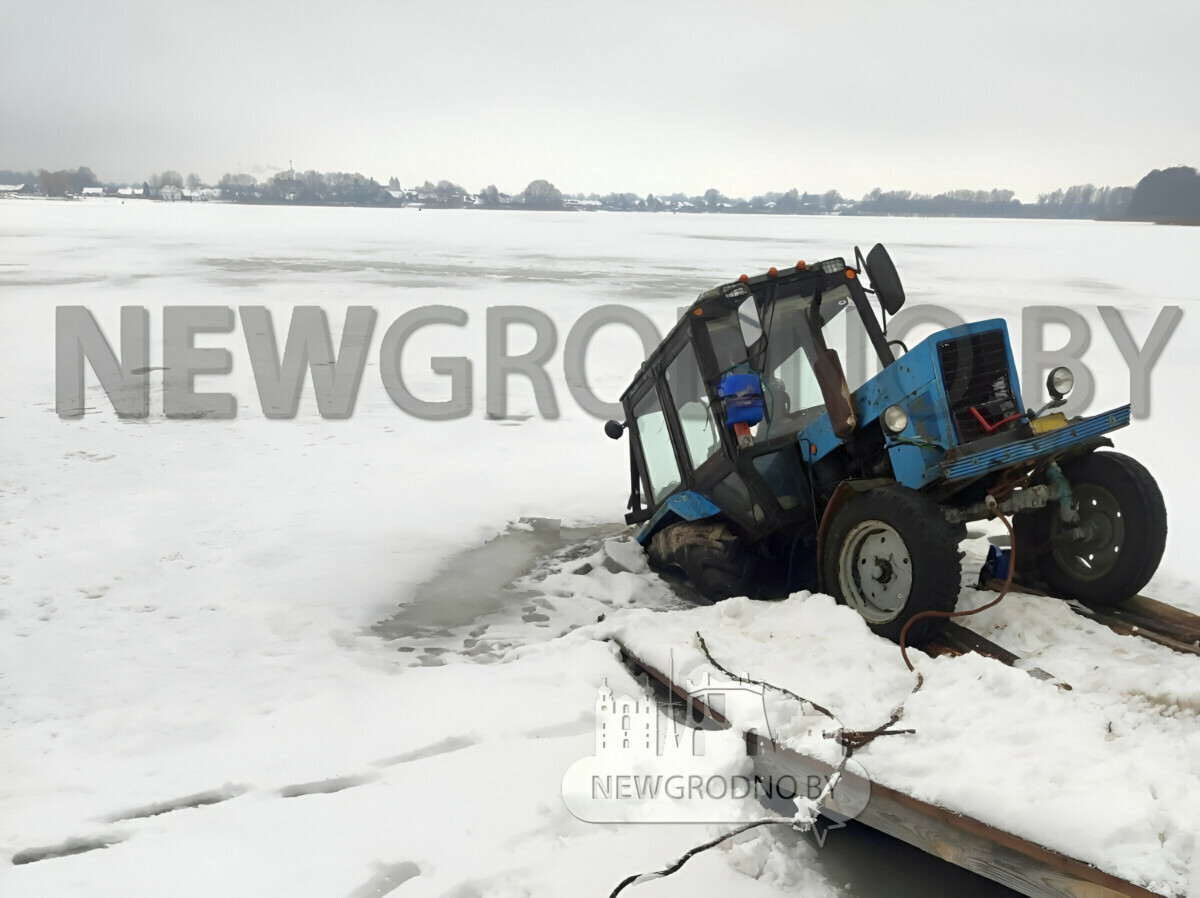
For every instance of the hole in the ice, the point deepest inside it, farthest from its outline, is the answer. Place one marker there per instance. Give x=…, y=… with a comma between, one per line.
x=487, y=579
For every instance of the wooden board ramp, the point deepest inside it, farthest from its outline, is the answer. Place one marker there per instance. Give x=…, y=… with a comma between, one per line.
x=1142, y=616
x=1020, y=864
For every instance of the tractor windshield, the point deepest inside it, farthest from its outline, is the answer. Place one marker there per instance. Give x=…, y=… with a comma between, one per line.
x=791, y=350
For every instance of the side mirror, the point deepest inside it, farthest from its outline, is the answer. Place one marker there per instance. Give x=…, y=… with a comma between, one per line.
x=884, y=279
x=614, y=429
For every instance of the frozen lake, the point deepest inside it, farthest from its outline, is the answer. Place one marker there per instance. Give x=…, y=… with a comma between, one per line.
x=202, y=607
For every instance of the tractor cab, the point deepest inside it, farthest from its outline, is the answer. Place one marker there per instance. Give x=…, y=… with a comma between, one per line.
x=717, y=410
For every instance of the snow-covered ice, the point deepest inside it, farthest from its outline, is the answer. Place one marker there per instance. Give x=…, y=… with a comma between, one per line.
x=239, y=615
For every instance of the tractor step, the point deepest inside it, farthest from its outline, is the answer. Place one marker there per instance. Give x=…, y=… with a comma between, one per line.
x=1142, y=616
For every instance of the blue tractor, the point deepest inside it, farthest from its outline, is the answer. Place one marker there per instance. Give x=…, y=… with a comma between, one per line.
x=756, y=470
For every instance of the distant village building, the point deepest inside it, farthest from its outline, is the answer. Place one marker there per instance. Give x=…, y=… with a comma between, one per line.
x=93, y=191
x=129, y=191
x=171, y=193
x=8, y=189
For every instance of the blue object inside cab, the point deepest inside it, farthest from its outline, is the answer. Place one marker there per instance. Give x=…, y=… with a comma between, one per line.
x=743, y=398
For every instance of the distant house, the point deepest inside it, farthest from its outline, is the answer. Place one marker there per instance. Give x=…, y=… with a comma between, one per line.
x=129, y=191
x=581, y=204
x=171, y=193
x=93, y=191
x=397, y=195
x=6, y=189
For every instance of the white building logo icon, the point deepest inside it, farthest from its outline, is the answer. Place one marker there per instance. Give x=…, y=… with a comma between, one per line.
x=624, y=723
x=635, y=725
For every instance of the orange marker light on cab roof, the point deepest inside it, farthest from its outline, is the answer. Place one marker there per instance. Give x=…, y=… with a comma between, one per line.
x=812, y=448
x=801, y=265
x=745, y=279
x=698, y=312
x=772, y=272
x=850, y=273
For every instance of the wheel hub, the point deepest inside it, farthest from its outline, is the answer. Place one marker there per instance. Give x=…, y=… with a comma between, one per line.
x=1093, y=554
x=876, y=571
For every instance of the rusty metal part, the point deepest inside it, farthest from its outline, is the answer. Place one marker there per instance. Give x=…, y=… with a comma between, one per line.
x=1027, y=499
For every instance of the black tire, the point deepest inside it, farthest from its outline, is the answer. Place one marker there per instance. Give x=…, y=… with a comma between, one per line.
x=1122, y=505
x=891, y=554
x=708, y=554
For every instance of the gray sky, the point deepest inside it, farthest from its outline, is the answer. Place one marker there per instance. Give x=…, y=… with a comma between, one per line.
x=640, y=96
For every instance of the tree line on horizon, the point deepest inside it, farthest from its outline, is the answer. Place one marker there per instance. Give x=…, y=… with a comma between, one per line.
x=1167, y=195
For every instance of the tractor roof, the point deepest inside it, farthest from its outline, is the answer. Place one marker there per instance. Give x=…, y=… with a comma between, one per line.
x=724, y=300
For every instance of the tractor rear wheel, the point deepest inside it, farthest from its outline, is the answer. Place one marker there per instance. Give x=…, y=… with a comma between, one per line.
x=708, y=554
x=1124, y=523
x=891, y=554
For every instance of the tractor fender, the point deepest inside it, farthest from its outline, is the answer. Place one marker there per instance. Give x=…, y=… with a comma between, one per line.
x=845, y=491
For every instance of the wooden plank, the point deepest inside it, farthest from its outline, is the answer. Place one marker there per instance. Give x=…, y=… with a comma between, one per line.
x=1142, y=616
x=1011, y=860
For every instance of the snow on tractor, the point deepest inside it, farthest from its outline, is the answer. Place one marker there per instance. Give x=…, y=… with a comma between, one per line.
x=756, y=470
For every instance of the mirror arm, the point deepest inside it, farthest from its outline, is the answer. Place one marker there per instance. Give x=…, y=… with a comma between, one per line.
x=871, y=323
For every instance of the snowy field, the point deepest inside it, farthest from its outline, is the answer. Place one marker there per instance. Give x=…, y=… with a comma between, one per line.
x=317, y=657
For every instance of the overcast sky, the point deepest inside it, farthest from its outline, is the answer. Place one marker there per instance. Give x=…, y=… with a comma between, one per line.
x=642, y=96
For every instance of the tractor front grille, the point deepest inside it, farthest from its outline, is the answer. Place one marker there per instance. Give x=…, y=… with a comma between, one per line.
x=975, y=371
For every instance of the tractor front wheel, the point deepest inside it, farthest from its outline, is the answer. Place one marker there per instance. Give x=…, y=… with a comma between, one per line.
x=1116, y=545
x=891, y=554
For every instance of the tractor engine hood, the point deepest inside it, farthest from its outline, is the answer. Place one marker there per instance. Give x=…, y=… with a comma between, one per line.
x=957, y=386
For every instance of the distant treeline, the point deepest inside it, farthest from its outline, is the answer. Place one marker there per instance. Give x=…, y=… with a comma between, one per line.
x=1170, y=195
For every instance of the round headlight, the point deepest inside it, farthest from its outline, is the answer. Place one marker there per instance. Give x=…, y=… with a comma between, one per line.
x=895, y=418
x=1060, y=382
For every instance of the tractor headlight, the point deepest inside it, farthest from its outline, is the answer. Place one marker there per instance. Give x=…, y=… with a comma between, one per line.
x=895, y=419
x=1060, y=382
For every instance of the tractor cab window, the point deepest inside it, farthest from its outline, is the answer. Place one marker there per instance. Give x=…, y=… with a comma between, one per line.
x=732, y=334
x=789, y=380
x=701, y=439
x=662, y=471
